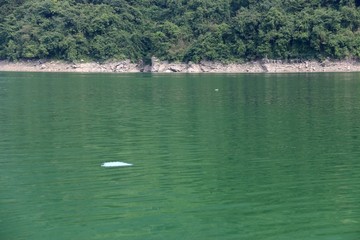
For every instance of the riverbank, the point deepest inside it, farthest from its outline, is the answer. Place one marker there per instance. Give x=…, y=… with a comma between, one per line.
x=157, y=66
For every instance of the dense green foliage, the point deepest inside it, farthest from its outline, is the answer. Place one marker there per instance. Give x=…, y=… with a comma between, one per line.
x=179, y=30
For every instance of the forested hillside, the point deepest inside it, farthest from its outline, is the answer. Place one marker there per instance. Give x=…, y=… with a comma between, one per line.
x=179, y=30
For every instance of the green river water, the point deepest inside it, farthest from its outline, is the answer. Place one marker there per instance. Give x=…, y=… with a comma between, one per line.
x=215, y=156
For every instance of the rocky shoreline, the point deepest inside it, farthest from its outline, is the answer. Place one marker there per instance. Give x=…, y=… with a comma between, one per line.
x=157, y=66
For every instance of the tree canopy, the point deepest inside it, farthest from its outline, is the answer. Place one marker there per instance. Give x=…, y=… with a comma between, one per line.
x=179, y=30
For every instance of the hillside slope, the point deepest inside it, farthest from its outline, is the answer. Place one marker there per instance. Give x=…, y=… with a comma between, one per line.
x=179, y=30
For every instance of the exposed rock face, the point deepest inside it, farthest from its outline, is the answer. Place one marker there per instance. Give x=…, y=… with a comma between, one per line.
x=193, y=68
x=157, y=66
x=122, y=66
x=165, y=66
x=178, y=67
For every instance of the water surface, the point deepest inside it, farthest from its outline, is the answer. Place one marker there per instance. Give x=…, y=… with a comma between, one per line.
x=266, y=156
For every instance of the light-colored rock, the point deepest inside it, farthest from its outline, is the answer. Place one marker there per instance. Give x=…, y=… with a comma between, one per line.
x=194, y=68
x=269, y=66
x=178, y=67
x=155, y=64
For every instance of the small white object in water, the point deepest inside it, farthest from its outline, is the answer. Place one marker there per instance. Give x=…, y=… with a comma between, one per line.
x=216, y=89
x=116, y=164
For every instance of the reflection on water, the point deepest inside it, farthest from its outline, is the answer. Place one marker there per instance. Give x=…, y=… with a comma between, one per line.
x=264, y=157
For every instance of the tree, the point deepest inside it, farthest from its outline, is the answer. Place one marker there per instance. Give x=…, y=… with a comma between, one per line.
x=177, y=30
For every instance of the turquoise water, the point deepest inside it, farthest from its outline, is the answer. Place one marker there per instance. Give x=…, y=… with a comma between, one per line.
x=266, y=156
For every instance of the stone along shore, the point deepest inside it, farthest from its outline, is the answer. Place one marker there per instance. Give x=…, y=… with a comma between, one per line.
x=157, y=66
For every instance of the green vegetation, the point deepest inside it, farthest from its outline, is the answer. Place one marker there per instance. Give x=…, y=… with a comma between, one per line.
x=179, y=30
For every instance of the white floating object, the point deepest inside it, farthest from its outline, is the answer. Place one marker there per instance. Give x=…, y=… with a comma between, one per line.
x=216, y=89
x=116, y=164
